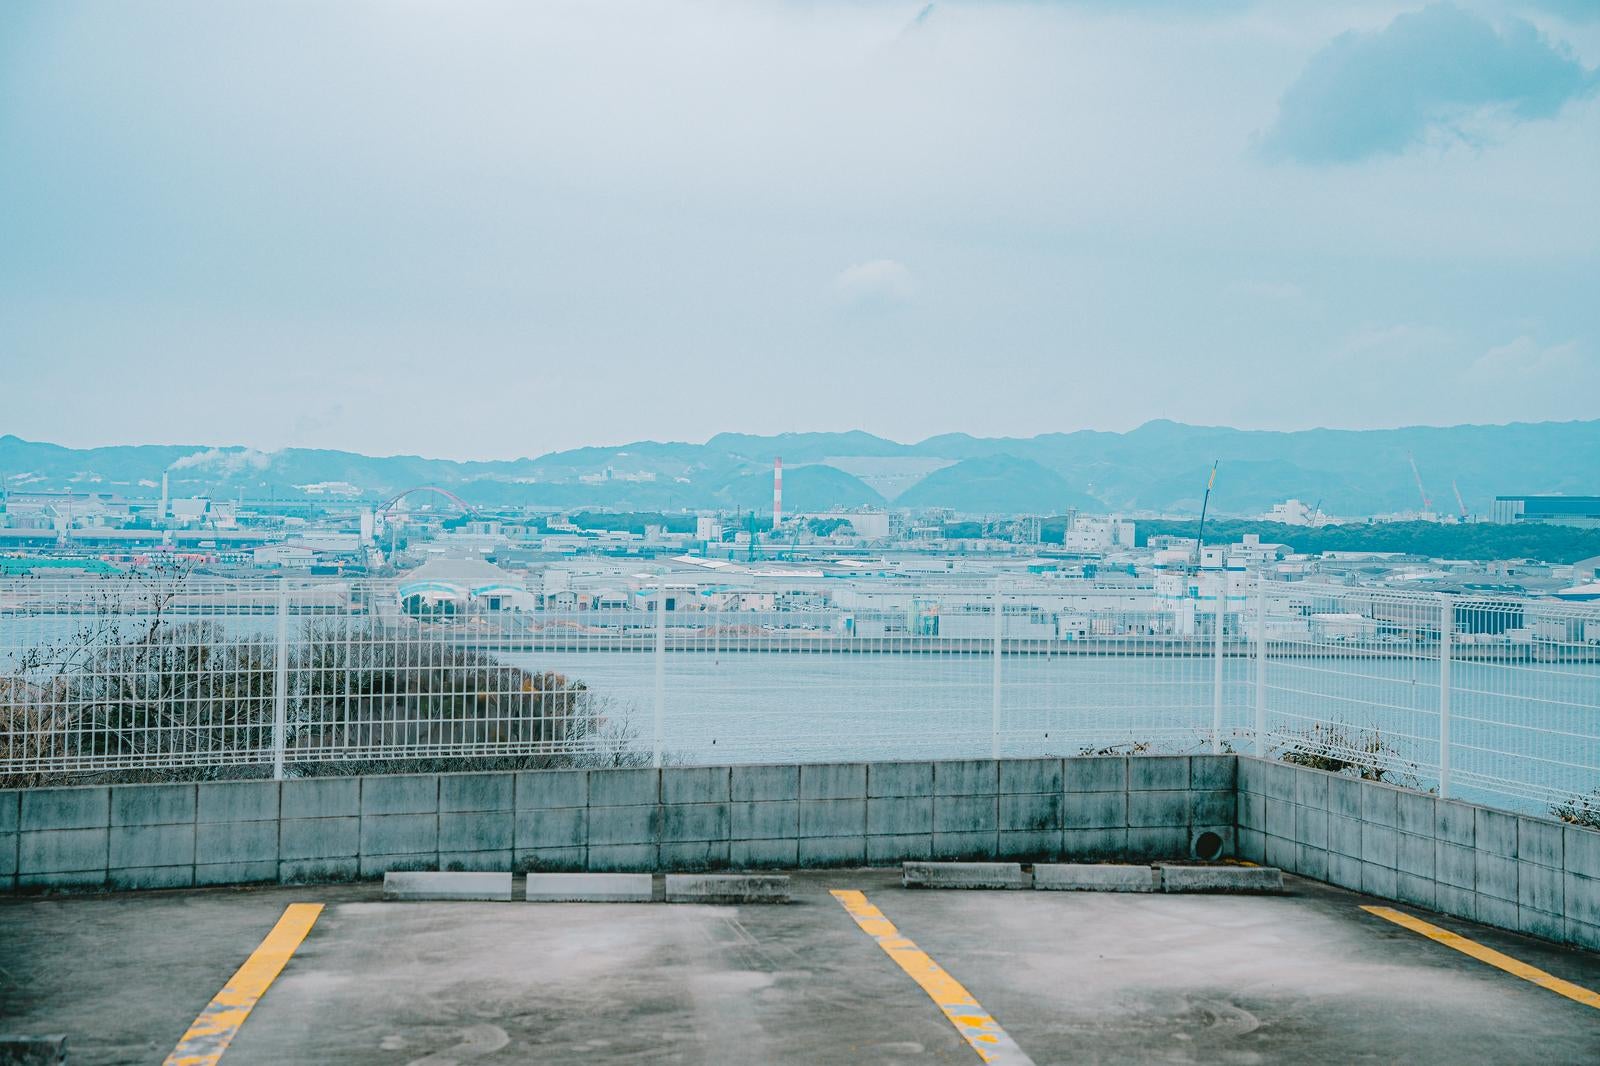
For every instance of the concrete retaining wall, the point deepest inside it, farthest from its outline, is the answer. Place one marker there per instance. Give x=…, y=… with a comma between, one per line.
x=1528, y=874
x=680, y=819
x=1517, y=872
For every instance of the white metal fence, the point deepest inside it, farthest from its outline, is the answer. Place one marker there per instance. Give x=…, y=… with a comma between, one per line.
x=1496, y=699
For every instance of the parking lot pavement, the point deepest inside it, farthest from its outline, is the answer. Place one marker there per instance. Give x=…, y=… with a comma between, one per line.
x=1304, y=977
x=1071, y=977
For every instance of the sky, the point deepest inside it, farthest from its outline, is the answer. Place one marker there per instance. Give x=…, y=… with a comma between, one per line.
x=478, y=229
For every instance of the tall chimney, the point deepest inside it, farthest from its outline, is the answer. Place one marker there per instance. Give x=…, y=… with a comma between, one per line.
x=777, y=492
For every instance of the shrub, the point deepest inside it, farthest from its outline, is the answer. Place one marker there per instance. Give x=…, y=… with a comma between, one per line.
x=1341, y=749
x=151, y=699
x=1580, y=810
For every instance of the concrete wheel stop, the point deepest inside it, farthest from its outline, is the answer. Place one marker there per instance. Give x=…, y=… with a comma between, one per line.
x=589, y=888
x=422, y=885
x=727, y=888
x=962, y=875
x=451, y=885
x=19, y=1050
x=1094, y=877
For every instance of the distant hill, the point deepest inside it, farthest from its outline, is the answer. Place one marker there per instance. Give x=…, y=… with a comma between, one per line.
x=1250, y=485
x=996, y=484
x=1160, y=466
x=805, y=488
x=798, y=447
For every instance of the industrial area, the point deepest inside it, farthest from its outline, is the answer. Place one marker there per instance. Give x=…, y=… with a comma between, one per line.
x=877, y=572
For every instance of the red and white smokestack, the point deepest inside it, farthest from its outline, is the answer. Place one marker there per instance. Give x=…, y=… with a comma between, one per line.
x=777, y=492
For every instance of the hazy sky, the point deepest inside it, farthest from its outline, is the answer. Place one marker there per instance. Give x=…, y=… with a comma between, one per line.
x=478, y=229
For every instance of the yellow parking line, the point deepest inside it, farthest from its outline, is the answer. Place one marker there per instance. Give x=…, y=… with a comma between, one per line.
x=1494, y=958
x=975, y=1026
x=216, y=1026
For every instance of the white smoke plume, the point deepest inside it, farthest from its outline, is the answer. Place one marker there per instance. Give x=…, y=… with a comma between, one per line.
x=225, y=461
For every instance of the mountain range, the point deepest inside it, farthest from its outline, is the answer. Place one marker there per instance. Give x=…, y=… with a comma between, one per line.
x=1160, y=466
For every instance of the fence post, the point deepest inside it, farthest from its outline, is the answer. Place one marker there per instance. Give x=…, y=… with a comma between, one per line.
x=280, y=683
x=999, y=611
x=1447, y=625
x=1261, y=666
x=1216, y=676
x=661, y=669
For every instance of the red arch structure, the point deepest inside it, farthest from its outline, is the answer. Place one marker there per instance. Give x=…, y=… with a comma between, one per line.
x=466, y=508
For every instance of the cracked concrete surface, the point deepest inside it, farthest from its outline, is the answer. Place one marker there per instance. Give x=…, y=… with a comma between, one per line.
x=1073, y=977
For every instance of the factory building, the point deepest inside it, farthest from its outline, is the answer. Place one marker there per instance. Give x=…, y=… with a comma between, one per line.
x=1551, y=510
x=456, y=586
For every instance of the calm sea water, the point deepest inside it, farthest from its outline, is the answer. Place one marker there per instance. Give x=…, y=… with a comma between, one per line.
x=1533, y=724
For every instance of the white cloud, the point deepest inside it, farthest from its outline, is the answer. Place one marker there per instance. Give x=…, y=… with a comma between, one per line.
x=876, y=283
x=1370, y=94
x=1392, y=347
x=537, y=195
x=1525, y=357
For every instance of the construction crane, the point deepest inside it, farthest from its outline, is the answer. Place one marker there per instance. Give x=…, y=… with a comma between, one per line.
x=1427, y=506
x=1316, y=515
x=1200, y=535
x=1460, y=503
